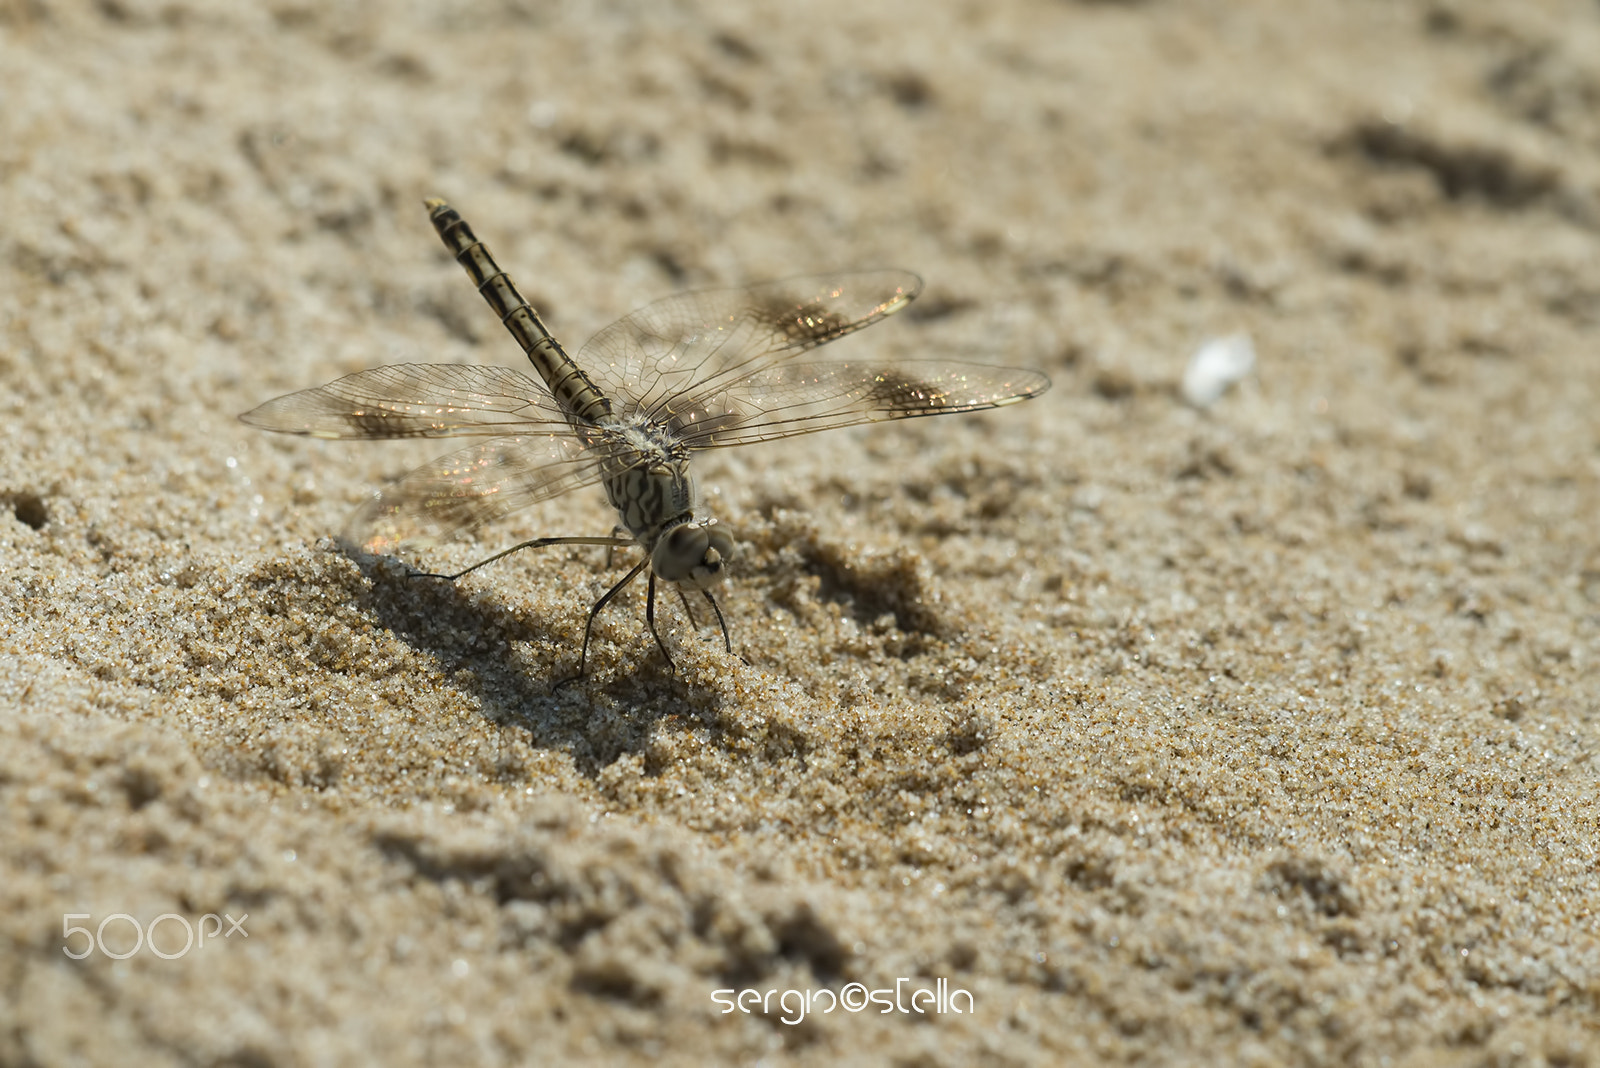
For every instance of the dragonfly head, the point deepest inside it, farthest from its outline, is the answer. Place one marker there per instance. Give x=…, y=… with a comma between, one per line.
x=692, y=554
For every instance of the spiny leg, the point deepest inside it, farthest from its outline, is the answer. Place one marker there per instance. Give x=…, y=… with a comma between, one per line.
x=684, y=597
x=712, y=601
x=536, y=543
x=722, y=623
x=650, y=618
x=588, y=628
x=617, y=532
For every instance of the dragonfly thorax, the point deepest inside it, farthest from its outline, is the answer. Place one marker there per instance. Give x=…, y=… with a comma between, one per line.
x=653, y=492
x=655, y=501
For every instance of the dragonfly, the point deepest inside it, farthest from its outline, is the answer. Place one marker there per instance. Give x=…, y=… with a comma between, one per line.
x=699, y=370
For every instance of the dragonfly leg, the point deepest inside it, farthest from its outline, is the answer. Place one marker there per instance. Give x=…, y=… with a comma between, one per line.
x=536, y=543
x=650, y=618
x=712, y=601
x=684, y=597
x=616, y=532
x=588, y=628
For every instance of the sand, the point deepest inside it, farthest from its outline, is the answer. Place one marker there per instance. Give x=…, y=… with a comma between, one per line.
x=1262, y=733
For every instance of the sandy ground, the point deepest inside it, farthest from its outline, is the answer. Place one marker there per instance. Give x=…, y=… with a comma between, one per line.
x=1260, y=734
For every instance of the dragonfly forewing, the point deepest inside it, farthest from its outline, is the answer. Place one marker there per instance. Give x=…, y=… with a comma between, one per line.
x=693, y=343
x=412, y=400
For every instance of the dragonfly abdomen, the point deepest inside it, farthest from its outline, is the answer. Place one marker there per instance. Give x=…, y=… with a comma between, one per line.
x=566, y=381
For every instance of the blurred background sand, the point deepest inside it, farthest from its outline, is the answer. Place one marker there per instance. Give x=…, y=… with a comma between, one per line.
x=1258, y=734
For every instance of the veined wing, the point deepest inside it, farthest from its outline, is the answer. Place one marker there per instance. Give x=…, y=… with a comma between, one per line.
x=697, y=344
x=471, y=486
x=415, y=400
x=786, y=399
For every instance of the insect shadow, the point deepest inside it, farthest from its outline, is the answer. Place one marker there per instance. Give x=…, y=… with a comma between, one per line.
x=479, y=643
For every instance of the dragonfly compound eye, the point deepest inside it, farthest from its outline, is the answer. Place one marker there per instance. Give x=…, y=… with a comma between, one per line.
x=692, y=555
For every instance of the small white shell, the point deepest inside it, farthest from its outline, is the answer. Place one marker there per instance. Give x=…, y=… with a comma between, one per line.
x=1215, y=366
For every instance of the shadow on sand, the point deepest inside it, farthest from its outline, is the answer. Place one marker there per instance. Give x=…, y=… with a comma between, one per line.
x=475, y=638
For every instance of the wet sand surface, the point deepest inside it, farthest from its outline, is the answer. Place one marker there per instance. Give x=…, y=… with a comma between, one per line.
x=1259, y=733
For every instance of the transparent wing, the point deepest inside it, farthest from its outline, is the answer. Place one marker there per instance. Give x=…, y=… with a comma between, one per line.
x=718, y=367
x=468, y=488
x=414, y=400
x=801, y=398
x=696, y=344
